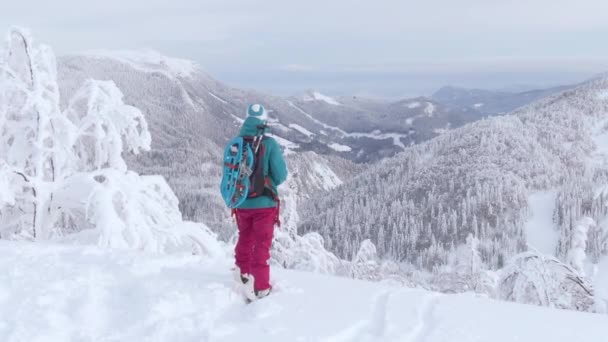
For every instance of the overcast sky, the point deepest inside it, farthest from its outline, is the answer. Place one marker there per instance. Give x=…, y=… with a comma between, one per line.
x=384, y=48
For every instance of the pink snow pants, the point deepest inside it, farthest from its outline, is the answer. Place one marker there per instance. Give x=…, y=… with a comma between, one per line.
x=256, y=227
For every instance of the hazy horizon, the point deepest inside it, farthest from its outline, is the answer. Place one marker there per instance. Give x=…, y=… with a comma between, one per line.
x=397, y=85
x=379, y=49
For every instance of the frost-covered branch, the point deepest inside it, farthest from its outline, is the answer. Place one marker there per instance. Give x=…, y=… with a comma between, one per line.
x=63, y=172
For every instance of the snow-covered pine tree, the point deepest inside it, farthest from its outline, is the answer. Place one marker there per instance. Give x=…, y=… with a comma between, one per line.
x=578, y=245
x=465, y=271
x=365, y=265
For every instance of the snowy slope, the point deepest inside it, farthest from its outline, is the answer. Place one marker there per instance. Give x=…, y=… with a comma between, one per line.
x=541, y=233
x=191, y=116
x=74, y=293
x=478, y=179
x=149, y=61
x=316, y=96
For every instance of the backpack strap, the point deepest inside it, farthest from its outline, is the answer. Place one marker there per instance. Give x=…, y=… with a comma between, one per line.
x=272, y=194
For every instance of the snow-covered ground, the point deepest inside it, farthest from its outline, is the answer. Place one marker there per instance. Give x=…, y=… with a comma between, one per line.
x=301, y=130
x=288, y=146
x=339, y=147
x=325, y=178
x=440, y=130
x=316, y=96
x=148, y=61
x=218, y=98
x=83, y=293
x=540, y=232
x=430, y=109
x=601, y=278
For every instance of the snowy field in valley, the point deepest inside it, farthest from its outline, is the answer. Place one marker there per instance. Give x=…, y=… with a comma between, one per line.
x=540, y=232
x=51, y=292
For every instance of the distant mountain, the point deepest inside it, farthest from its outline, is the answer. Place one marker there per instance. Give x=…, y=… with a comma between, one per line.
x=406, y=122
x=482, y=179
x=191, y=116
x=492, y=102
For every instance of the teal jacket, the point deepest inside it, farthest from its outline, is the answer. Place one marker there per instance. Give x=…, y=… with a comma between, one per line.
x=274, y=165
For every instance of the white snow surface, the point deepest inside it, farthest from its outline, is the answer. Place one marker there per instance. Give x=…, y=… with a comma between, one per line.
x=239, y=120
x=429, y=109
x=218, y=98
x=316, y=96
x=59, y=293
x=478, y=105
x=325, y=176
x=601, y=279
x=301, y=130
x=288, y=146
x=603, y=95
x=339, y=147
x=600, y=138
x=413, y=105
x=149, y=61
x=540, y=230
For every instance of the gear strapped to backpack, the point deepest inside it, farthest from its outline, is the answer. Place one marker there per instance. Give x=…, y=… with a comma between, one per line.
x=243, y=171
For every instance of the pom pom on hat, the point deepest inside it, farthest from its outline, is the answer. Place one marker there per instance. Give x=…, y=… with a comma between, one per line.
x=257, y=111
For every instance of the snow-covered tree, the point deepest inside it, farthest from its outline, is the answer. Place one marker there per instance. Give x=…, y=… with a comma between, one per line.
x=533, y=278
x=578, y=245
x=365, y=265
x=7, y=192
x=62, y=171
x=31, y=135
x=465, y=271
x=105, y=127
x=305, y=253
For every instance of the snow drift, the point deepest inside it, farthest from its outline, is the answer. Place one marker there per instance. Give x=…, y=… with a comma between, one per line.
x=57, y=293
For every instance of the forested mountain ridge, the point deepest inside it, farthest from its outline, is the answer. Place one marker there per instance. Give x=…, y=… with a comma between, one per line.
x=191, y=116
x=422, y=204
x=493, y=102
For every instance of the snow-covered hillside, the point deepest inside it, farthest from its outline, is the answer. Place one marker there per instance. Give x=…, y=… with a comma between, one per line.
x=191, y=116
x=59, y=293
x=461, y=206
x=187, y=108
x=484, y=180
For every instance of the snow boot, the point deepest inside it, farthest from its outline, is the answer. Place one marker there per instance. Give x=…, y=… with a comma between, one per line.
x=263, y=293
x=245, y=284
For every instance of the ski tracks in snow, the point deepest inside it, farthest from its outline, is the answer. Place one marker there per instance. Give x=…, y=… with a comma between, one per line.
x=426, y=320
x=371, y=329
x=382, y=326
x=378, y=322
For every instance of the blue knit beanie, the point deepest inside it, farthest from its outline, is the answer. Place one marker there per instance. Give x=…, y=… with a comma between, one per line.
x=257, y=111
